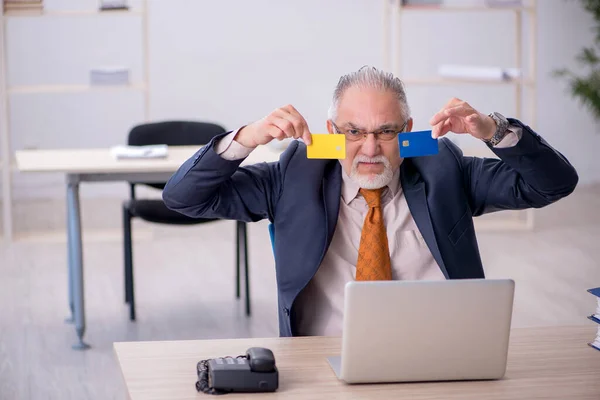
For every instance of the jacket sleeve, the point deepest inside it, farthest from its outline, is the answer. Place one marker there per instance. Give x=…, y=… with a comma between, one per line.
x=530, y=174
x=209, y=186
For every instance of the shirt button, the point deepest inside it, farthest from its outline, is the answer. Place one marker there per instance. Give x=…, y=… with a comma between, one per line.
x=286, y=311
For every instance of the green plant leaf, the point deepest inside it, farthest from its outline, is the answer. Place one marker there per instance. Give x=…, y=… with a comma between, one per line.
x=588, y=56
x=588, y=92
x=586, y=88
x=559, y=73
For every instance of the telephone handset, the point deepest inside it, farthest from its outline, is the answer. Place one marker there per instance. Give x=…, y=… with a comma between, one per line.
x=260, y=359
x=254, y=372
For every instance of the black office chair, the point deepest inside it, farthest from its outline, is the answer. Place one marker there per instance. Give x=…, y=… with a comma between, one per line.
x=172, y=133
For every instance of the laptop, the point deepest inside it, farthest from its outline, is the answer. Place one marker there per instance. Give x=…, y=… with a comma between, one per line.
x=416, y=331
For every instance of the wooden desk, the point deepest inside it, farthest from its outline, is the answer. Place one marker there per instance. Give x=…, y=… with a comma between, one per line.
x=548, y=363
x=97, y=165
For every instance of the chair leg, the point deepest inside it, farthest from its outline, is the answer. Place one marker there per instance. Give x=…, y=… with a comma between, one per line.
x=238, y=238
x=246, y=269
x=128, y=252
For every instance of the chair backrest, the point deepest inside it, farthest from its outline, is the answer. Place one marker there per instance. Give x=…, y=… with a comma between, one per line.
x=272, y=236
x=173, y=133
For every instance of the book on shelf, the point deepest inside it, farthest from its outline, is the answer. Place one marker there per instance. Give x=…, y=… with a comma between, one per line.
x=27, y=7
x=504, y=3
x=23, y=5
x=596, y=318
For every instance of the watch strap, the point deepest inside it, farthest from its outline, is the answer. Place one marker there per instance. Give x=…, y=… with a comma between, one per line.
x=501, y=129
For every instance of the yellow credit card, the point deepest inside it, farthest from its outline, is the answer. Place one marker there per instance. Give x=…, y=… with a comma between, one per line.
x=326, y=145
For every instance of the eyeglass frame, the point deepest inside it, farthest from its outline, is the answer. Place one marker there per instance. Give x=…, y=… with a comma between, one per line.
x=364, y=134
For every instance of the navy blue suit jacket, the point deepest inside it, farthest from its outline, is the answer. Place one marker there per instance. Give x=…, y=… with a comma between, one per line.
x=301, y=197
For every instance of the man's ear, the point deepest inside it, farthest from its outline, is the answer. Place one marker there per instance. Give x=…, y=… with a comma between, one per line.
x=409, y=125
x=329, y=126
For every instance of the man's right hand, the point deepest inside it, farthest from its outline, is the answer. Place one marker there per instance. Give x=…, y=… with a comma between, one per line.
x=282, y=123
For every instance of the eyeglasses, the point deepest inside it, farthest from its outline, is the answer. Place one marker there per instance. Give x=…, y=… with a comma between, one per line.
x=385, y=135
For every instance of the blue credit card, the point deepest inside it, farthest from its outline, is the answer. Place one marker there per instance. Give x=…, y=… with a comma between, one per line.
x=595, y=291
x=417, y=144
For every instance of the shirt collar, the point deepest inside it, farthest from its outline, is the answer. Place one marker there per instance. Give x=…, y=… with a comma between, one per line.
x=350, y=188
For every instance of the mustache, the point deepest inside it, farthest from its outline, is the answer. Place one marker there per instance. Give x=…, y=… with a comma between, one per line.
x=377, y=159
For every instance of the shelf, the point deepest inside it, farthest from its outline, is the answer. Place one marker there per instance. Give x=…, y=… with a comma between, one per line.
x=67, y=13
x=455, y=81
x=72, y=88
x=467, y=9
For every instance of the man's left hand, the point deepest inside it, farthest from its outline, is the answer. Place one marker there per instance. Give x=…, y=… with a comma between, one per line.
x=459, y=117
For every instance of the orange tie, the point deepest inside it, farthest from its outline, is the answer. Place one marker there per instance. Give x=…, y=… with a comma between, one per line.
x=373, y=254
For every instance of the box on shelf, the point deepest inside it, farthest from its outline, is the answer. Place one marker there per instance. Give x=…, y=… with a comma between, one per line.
x=109, y=76
x=108, y=5
x=478, y=72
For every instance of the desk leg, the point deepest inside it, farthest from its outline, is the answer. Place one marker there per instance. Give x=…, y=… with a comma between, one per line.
x=76, y=256
x=243, y=228
x=71, y=260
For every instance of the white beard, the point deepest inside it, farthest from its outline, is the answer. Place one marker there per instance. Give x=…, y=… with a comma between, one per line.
x=371, y=181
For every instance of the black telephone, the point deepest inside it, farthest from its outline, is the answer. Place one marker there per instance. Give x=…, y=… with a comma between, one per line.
x=254, y=372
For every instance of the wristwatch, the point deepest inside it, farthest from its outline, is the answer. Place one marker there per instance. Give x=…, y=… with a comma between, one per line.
x=501, y=129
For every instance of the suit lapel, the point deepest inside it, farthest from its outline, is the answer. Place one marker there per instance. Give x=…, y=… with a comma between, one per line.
x=416, y=197
x=332, y=191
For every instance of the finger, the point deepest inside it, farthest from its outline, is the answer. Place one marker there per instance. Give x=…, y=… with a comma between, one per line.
x=284, y=124
x=463, y=110
x=292, y=115
x=303, y=125
x=441, y=128
x=454, y=102
x=440, y=115
x=303, y=128
x=275, y=132
x=475, y=124
x=291, y=110
x=437, y=129
x=287, y=119
x=446, y=127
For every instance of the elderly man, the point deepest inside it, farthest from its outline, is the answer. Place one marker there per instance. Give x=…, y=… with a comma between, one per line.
x=372, y=215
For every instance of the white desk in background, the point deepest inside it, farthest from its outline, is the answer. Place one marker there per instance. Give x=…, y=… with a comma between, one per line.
x=98, y=165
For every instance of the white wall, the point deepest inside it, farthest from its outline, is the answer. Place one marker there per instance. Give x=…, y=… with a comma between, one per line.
x=234, y=61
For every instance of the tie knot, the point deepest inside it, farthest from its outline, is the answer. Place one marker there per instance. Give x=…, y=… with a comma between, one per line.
x=372, y=196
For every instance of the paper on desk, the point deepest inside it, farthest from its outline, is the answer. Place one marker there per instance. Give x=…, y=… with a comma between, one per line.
x=152, y=151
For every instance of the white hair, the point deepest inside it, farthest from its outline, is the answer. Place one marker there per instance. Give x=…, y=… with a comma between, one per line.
x=372, y=181
x=369, y=77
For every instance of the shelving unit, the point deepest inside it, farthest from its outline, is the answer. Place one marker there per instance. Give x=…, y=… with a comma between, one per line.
x=393, y=11
x=458, y=81
x=6, y=160
x=72, y=88
x=30, y=14
x=4, y=137
x=443, y=8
